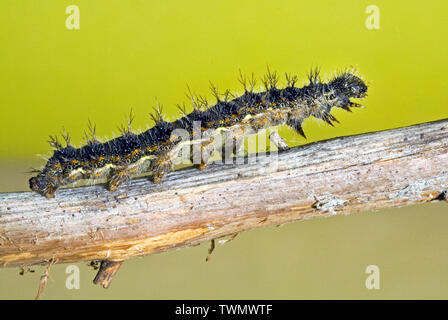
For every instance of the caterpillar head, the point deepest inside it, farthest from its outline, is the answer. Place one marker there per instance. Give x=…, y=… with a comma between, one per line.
x=348, y=85
x=43, y=185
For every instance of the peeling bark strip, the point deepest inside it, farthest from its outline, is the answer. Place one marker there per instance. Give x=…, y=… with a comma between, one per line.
x=107, y=271
x=365, y=172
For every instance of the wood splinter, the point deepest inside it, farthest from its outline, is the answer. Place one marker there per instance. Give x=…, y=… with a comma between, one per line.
x=212, y=245
x=233, y=236
x=44, y=279
x=107, y=271
x=279, y=142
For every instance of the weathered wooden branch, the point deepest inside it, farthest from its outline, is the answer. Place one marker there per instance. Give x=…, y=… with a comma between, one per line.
x=356, y=173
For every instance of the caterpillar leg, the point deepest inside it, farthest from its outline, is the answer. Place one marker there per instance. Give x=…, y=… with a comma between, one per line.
x=230, y=147
x=278, y=141
x=205, y=152
x=238, y=146
x=205, y=158
x=161, y=167
x=118, y=177
x=50, y=192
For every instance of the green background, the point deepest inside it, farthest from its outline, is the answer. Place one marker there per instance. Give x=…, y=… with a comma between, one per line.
x=128, y=53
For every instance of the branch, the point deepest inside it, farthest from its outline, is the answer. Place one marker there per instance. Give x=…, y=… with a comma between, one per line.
x=356, y=173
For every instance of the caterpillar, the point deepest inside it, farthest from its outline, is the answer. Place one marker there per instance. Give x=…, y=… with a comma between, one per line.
x=155, y=151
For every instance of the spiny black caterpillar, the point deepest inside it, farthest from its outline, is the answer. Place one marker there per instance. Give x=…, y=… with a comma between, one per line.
x=155, y=150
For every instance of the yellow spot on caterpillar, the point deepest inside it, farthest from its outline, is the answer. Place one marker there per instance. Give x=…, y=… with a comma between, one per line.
x=153, y=148
x=100, y=159
x=74, y=161
x=135, y=152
